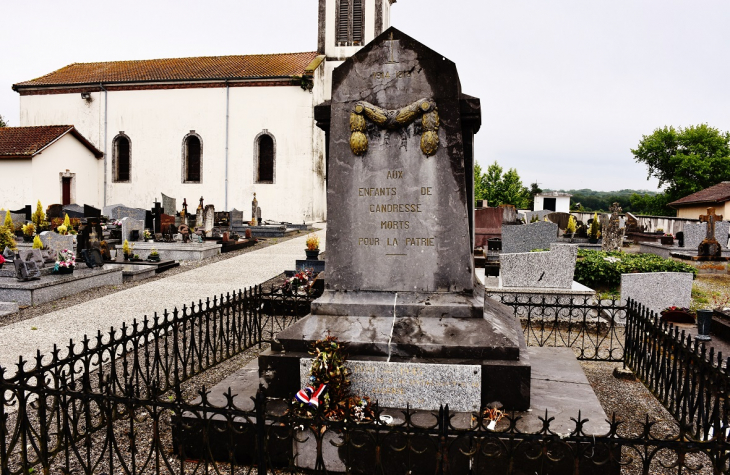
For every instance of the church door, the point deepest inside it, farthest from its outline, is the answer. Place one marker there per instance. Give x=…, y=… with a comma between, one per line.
x=66, y=191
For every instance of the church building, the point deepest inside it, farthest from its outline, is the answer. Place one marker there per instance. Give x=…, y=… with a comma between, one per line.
x=222, y=127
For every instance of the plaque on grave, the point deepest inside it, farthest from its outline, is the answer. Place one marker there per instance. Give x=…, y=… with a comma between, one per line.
x=236, y=218
x=169, y=205
x=26, y=270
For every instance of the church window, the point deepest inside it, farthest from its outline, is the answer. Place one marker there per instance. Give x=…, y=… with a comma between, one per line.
x=265, y=157
x=350, y=22
x=192, y=158
x=121, y=158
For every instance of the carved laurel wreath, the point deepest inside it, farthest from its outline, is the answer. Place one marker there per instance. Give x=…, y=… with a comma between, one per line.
x=393, y=120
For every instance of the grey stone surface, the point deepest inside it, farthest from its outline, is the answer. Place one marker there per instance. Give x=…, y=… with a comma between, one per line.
x=694, y=233
x=57, y=242
x=526, y=237
x=133, y=272
x=73, y=211
x=121, y=212
x=658, y=290
x=177, y=251
x=397, y=218
x=552, y=269
x=423, y=386
x=34, y=255
x=54, y=287
x=169, y=205
x=18, y=219
x=7, y=308
x=208, y=219
x=129, y=225
x=613, y=230
x=541, y=214
x=108, y=211
x=236, y=218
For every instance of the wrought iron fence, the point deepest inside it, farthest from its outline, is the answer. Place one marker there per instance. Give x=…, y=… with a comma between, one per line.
x=593, y=328
x=114, y=404
x=692, y=382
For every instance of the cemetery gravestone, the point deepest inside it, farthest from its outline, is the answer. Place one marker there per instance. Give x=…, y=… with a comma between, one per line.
x=32, y=255
x=53, y=211
x=613, y=232
x=73, y=211
x=169, y=205
x=561, y=219
x=26, y=211
x=18, y=219
x=128, y=226
x=695, y=233
x=121, y=212
x=526, y=237
x=208, y=219
x=509, y=214
x=658, y=290
x=56, y=242
x=236, y=218
x=92, y=212
x=400, y=268
x=553, y=269
x=540, y=214
x=26, y=270
x=108, y=211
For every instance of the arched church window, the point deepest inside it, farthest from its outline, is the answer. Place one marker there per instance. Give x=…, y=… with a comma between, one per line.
x=121, y=158
x=350, y=22
x=192, y=158
x=265, y=154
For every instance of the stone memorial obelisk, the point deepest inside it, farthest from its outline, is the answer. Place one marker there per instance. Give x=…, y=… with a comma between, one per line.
x=400, y=286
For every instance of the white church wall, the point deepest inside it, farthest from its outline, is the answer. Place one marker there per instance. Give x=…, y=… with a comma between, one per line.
x=17, y=184
x=66, y=109
x=67, y=154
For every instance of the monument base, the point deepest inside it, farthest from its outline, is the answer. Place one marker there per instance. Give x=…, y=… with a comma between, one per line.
x=558, y=386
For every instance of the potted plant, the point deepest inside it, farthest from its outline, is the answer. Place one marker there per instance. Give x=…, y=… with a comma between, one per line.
x=154, y=256
x=312, y=249
x=570, y=227
x=594, y=232
x=127, y=250
x=65, y=262
x=28, y=232
x=148, y=236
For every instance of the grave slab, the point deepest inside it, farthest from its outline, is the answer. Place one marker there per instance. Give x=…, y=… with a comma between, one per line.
x=54, y=287
x=177, y=251
x=526, y=237
x=658, y=290
x=553, y=269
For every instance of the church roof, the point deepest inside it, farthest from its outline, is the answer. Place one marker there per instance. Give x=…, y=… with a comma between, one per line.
x=26, y=142
x=719, y=193
x=252, y=66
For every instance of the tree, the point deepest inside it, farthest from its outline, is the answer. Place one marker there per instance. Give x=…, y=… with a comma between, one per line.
x=3, y=122
x=686, y=159
x=500, y=188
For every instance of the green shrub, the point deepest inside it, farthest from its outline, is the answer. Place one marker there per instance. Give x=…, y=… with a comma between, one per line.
x=602, y=270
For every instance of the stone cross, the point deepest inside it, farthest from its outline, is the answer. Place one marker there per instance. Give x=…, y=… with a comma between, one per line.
x=185, y=207
x=710, y=218
x=200, y=206
x=157, y=215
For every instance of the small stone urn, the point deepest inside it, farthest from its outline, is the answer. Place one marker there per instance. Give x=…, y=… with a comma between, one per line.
x=704, y=323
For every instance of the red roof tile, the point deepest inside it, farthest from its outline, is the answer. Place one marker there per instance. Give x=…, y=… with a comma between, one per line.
x=178, y=69
x=715, y=194
x=24, y=142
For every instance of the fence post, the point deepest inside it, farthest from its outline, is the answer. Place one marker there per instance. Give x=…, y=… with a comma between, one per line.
x=260, y=403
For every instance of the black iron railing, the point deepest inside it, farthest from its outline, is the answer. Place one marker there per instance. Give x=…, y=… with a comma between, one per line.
x=593, y=328
x=691, y=381
x=115, y=403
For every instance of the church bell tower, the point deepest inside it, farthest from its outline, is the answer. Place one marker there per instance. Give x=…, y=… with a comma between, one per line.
x=345, y=26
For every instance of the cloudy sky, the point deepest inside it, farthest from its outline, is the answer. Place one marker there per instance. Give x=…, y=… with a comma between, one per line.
x=568, y=87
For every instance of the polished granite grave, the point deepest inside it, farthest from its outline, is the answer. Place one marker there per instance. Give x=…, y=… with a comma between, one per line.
x=54, y=287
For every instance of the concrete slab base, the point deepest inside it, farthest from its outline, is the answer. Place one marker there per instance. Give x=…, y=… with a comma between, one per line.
x=176, y=251
x=558, y=386
x=7, y=308
x=53, y=287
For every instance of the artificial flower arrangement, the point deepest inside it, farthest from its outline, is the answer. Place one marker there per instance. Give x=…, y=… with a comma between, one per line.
x=312, y=242
x=2, y=261
x=329, y=385
x=65, y=262
x=29, y=229
x=676, y=314
x=299, y=283
x=62, y=229
x=147, y=235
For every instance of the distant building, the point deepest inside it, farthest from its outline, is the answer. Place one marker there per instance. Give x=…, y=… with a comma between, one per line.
x=54, y=164
x=221, y=127
x=553, y=201
x=696, y=204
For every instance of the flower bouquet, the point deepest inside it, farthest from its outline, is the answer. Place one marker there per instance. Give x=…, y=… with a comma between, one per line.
x=65, y=262
x=678, y=315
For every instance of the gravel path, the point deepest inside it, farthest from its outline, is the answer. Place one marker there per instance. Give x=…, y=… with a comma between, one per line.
x=41, y=332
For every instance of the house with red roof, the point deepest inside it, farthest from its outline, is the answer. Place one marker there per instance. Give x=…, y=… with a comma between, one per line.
x=51, y=163
x=696, y=204
x=222, y=127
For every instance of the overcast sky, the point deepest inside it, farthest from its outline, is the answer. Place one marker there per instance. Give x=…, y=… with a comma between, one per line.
x=568, y=87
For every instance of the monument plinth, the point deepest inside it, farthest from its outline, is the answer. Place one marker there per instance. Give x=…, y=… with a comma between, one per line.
x=400, y=285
